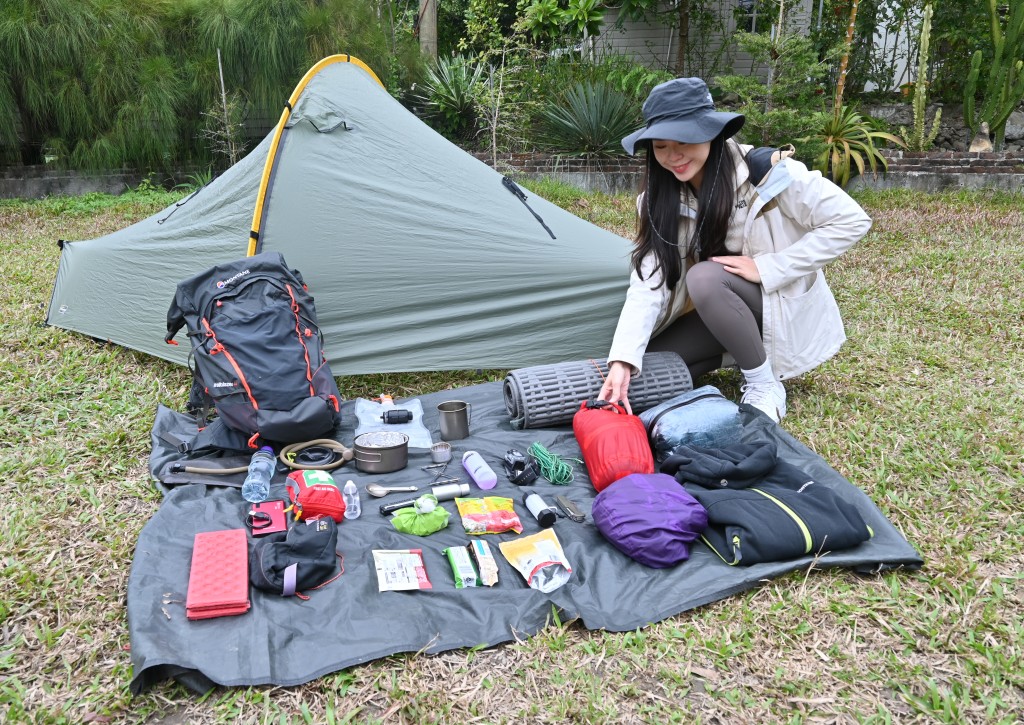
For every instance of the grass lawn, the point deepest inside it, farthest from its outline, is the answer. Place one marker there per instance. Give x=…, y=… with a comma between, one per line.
x=922, y=409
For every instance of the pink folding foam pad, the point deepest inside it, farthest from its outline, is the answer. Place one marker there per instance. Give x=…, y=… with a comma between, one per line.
x=218, y=582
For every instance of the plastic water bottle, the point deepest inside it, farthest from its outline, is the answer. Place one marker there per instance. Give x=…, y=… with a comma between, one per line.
x=261, y=469
x=351, y=496
x=477, y=468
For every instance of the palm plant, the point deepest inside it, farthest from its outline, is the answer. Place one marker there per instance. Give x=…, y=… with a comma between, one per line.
x=848, y=137
x=850, y=143
x=590, y=119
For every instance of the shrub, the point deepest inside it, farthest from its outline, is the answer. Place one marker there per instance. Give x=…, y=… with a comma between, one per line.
x=446, y=97
x=849, y=142
x=590, y=119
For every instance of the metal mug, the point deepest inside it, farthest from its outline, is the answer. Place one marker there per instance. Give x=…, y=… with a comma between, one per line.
x=455, y=416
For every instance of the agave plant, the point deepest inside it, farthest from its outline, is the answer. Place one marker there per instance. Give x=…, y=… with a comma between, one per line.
x=590, y=119
x=447, y=96
x=849, y=139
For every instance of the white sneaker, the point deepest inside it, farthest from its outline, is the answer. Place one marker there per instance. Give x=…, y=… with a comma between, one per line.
x=769, y=398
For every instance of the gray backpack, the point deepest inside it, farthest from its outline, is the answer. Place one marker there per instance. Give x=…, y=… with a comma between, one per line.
x=257, y=350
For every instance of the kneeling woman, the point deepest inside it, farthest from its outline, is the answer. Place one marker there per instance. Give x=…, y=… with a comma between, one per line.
x=729, y=253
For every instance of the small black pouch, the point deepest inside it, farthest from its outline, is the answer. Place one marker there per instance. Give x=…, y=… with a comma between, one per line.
x=303, y=558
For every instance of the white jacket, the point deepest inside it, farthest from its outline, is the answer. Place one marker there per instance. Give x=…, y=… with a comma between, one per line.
x=792, y=224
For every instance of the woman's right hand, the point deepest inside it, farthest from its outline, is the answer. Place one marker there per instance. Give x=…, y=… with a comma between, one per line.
x=616, y=384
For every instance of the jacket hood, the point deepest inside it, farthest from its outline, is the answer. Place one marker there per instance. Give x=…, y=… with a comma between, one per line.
x=737, y=466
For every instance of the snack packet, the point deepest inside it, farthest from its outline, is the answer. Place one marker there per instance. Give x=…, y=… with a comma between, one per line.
x=540, y=559
x=400, y=569
x=484, y=560
x=490, y=515
x=462, y=566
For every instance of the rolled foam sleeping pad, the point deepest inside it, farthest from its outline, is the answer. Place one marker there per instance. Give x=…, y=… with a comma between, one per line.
x=548, y=395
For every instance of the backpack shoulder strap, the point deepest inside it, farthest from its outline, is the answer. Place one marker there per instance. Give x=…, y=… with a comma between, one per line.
x=762, y=160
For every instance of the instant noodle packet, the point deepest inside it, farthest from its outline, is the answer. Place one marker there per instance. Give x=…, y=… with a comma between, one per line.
x=489, y=515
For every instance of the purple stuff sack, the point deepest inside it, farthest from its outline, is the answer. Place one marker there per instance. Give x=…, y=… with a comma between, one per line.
x=650, y=518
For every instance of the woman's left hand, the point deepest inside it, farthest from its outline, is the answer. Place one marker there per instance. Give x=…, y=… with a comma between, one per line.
x=740, y=266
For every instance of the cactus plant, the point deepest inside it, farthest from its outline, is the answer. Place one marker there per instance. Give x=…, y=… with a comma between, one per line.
x=917, y=139
x=1004, y=88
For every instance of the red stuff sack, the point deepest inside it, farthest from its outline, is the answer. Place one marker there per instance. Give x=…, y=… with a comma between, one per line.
x=614, y=443
x=314, y=494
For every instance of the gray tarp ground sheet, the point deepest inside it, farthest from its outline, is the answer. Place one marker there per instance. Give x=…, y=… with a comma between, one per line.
x=287, y=641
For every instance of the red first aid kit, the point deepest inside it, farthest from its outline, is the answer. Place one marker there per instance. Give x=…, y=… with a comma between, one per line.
x=314, y=494
x=614, y=443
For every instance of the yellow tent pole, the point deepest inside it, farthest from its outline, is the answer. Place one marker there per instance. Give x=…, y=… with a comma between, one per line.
x=268, y=166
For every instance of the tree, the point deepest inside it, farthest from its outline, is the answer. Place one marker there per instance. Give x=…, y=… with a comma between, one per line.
x=574, y=19
x=89, y=83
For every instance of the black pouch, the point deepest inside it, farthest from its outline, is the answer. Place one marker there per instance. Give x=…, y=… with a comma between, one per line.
x=303, y=558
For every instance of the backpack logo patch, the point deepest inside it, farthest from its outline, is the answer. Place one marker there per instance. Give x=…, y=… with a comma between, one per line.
x=225, y=282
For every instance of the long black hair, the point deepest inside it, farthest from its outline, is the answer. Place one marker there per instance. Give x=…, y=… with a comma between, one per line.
x=658, y=228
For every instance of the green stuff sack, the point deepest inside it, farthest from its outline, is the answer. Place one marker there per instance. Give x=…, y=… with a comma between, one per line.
x=422, y=518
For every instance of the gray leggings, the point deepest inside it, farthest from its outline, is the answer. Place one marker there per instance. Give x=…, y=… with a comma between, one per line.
x=726, y=318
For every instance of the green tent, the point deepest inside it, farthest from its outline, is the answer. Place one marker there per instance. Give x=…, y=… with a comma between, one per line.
x=417, y=255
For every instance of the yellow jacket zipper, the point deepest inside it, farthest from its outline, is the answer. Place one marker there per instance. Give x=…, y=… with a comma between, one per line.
x=808, y=543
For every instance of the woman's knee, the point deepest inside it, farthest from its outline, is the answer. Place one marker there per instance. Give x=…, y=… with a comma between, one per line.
x=705, y=280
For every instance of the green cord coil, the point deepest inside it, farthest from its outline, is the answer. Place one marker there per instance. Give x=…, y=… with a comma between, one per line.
x=552, y=467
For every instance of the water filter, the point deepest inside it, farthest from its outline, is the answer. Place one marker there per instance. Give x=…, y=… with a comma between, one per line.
x=477, y=468
x=445, y=492
x=541, y=510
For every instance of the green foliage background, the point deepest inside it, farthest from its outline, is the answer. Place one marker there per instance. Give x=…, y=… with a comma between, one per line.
x=135, y=83
x=125, y=83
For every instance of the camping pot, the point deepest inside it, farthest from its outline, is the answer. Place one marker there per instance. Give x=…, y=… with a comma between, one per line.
x=381, y=451
x=455, y=416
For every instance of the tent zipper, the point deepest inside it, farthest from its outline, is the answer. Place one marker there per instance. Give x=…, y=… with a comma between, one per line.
x=521, y=195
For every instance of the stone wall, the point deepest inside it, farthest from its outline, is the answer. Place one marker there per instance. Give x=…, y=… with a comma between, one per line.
x=37, y=182
x=939, y=170
x=927, y=171
x=923, y=171
x=950, y=165
x=953, y=133
x=611, y=176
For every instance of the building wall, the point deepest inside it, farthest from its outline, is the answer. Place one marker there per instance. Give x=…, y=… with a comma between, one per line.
x=655, y=43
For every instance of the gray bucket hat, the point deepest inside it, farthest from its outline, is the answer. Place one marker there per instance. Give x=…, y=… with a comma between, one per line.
x=682, y=110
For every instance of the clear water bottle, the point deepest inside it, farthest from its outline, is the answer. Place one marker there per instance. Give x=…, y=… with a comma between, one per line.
x=261, y=469
x=351, y=496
